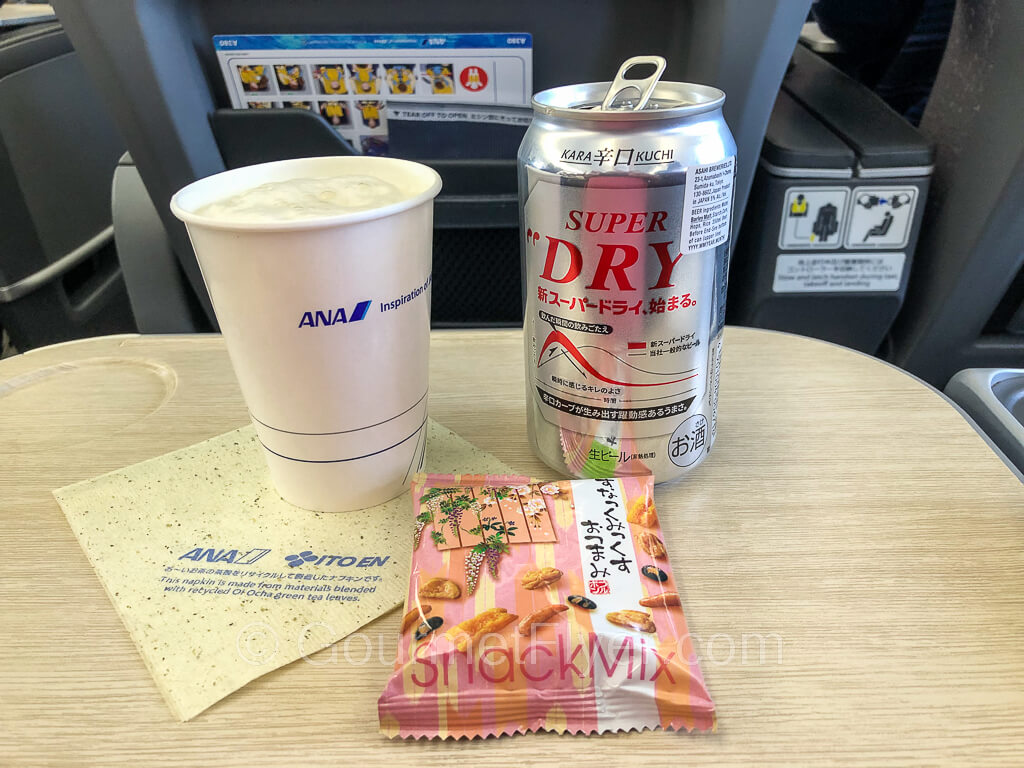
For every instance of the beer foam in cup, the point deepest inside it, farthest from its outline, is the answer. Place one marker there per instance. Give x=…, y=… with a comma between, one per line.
x=305, y=198
x=304, y=194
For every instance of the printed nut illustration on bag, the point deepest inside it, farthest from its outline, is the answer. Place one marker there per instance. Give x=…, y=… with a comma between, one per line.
x=541, y=606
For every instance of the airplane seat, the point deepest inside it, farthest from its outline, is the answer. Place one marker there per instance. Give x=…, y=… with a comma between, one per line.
x=156, y=64
x=965, y=304
x=59, y=274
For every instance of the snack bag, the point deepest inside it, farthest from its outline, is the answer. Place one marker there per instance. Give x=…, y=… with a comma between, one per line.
x=540, y=606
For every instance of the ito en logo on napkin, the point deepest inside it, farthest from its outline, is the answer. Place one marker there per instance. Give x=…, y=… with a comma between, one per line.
x=344, y=561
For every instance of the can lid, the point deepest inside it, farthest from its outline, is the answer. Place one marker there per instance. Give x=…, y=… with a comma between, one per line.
x=627, y=98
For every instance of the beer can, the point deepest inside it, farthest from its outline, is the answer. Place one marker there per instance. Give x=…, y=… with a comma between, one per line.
x=626, y=192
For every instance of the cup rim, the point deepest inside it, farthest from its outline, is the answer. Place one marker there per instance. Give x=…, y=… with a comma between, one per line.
x=319, y=222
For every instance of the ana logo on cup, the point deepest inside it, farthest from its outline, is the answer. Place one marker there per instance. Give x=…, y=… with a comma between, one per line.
x=316, y=318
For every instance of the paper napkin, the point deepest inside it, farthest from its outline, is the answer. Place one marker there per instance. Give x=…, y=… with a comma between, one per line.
x=219, y=581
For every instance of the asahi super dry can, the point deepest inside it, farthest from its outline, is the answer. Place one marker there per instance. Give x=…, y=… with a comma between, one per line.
x=626, y=195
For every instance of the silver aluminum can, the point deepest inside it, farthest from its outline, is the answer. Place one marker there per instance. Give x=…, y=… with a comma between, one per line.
x=626, y=211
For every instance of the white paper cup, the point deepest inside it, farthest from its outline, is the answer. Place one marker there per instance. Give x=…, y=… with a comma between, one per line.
x=327, y=324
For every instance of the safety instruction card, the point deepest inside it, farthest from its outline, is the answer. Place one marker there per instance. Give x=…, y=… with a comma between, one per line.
x=353, y=81
x=845, y=223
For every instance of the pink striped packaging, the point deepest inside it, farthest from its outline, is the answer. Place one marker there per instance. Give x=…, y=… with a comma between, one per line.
x=541, y=606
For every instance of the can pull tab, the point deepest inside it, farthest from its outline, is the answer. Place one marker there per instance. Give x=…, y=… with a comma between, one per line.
x=645, y=86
